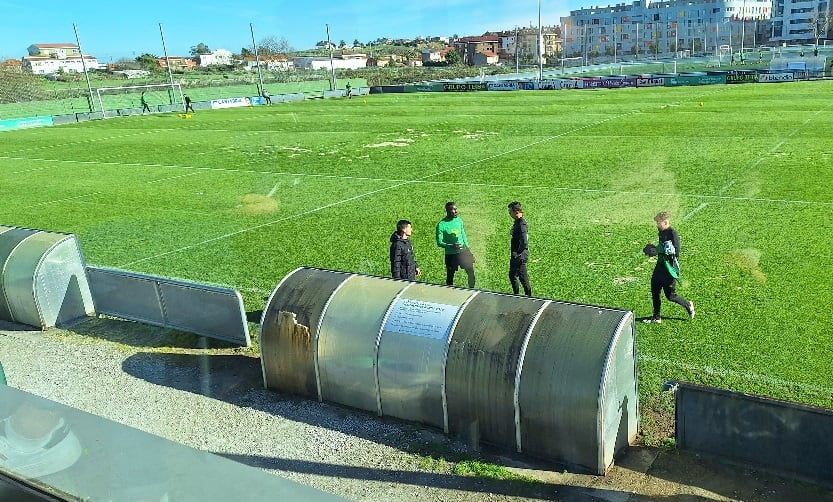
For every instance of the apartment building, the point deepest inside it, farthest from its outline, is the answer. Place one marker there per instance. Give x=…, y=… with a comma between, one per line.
x=522, y=43
x=801, y=21
x=55, y=58
x=665, y=28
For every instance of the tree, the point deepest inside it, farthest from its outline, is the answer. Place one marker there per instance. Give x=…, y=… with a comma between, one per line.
x=126, y=63
x=821, y=23
x=342, y=44
x=200, y=48
x=697, y=45
x=271, y=46
x=246, y=52
x=148, y=61
x=453, y=58
x=356, y=43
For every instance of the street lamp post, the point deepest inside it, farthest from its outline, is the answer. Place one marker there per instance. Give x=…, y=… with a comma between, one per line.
x=540, y=45
x=742, y=28
x=257, y=60
x=332, y=67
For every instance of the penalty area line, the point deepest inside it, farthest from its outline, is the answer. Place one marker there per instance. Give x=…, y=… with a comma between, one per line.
x=264, y=225
x=424, y=180
x=696, y=210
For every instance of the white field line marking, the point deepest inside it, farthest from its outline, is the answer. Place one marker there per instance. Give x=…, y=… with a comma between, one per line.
x=758, y=161
x=445, y=183
x=172, y=178
x=267, y=224
x=274, y=190
x=64, y=200
x=35, y=169
x=356, y=197
x=727, y=187
x=752, y=377
x=86, y=141
x=251, y=132
x=259, y=291
x=695, y=210
x=208, y=169
x=429, y=182
x=154, y=209
x=772, y=150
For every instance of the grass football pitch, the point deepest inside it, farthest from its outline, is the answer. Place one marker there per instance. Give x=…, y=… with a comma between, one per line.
x=241, y=197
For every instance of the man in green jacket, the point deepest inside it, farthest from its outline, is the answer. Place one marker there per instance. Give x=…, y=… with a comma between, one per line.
x=451, y=236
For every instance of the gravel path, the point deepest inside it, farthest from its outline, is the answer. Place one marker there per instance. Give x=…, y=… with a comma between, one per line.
x=216, y=402
x=213, y=399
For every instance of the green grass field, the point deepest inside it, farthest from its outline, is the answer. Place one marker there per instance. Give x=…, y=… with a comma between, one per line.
x=241, y=197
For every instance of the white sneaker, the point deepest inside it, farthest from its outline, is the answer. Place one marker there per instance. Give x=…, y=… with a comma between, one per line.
x=690, y=310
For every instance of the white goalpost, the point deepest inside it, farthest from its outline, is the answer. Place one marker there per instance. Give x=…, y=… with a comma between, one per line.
x=572, y=62
x=635, y=65
x=129, y=97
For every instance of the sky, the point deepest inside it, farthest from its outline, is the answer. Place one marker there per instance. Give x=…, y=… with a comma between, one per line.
x=115, y=30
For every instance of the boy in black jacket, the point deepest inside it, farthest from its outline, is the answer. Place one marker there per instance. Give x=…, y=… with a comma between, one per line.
x=403, y=265
x=667, y=270
x=518, y=250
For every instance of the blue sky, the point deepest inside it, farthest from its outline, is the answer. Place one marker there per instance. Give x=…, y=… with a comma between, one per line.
x=118, y=29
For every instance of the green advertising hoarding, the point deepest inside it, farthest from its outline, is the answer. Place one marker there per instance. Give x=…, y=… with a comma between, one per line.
x=694, y=80
x=431, y=87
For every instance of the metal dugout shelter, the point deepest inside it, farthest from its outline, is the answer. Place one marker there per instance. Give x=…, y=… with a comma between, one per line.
x=42, y=278
x=550, y=379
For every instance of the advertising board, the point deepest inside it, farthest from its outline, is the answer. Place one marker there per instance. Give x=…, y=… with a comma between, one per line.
x=786, y=76
x=463, y=86
x=650, y=82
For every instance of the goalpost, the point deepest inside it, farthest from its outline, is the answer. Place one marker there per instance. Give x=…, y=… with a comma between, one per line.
x=129, y=97
x=640, y=65
x=572, y=62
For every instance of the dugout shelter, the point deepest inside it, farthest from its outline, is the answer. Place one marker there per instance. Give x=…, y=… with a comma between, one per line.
x=550, y=379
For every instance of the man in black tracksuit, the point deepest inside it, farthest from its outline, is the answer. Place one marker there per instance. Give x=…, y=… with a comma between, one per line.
x=519, y=250
x=667, y=270
x=403, y=265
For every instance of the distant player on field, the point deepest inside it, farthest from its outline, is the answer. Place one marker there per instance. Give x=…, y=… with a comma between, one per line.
x=188, y=104
x=145, y=106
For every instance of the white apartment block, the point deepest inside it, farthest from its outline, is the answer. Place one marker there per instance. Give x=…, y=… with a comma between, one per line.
x=44, y=59
x=665, y=28
x=218, y=57
x=800, y=21
x=343, y=62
